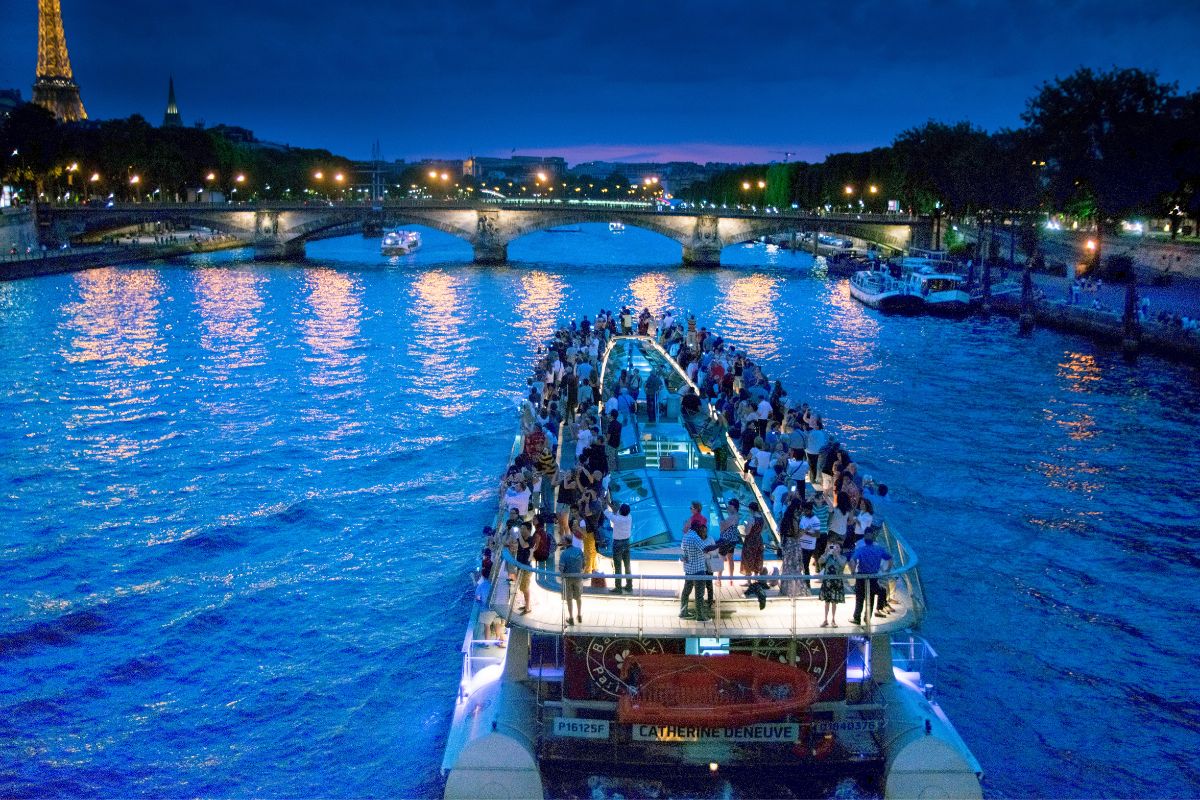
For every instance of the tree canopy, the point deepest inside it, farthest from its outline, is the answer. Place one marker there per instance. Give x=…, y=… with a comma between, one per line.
x=1097, y=144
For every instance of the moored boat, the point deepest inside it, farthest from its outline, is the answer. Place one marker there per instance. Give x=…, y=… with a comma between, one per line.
x=940, y=292
x=400, y=243
x=875, y=288
x=754, y=680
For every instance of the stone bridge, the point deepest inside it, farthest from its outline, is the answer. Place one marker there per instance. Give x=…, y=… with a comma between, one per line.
x=279, y=231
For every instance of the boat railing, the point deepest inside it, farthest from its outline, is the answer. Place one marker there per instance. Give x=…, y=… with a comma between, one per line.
x=649, y=593
x=915, y=661
x=711, y=412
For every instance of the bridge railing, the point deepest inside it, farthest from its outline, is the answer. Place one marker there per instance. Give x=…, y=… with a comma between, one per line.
x=598, y=207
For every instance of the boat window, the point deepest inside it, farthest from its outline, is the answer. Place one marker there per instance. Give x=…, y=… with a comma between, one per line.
x=705, y=646
x=942, y=284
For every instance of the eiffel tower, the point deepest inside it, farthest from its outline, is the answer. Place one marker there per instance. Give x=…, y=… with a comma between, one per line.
x=55, y=89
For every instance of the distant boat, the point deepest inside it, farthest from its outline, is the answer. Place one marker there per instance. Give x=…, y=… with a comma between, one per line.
x=616, y=227
x=400, y=243
x=730, y=690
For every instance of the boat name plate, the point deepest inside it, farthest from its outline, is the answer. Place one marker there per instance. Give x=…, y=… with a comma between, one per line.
x=580, y=728
x=847, y=726
x=765, y=732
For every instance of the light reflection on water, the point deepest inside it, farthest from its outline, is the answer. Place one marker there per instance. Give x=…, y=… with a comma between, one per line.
x=652, y=290
x=332, y=330
x=230, y=306
x=441, y=311
x=113, y=326
x=749, y=312
x=1079, y=370
x=115, y=317
x=538, y=304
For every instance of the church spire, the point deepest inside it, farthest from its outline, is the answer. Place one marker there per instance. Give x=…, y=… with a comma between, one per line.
x=171, y=119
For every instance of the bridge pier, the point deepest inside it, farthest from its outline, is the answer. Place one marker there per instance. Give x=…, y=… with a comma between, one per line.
x=274, y=250
x=704, y=255
x=490, y=253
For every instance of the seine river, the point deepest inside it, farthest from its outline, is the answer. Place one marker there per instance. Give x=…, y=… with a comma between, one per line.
x=240, y=502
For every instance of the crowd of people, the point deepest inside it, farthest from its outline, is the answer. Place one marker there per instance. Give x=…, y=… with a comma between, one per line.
x=824, y=509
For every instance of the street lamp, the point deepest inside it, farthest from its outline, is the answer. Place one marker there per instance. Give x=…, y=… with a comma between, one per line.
x=136, y=182
x=849, y=194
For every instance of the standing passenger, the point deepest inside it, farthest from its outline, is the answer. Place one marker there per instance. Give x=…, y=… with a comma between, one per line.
x=570, y=565
x=622, y=532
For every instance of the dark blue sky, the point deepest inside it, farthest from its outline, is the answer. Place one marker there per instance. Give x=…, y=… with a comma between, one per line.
x=644, y=80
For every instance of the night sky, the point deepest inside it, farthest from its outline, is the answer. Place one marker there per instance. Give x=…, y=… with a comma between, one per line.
x=645, y=80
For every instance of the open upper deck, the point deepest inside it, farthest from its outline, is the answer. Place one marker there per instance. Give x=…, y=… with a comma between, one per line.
x=660, y=500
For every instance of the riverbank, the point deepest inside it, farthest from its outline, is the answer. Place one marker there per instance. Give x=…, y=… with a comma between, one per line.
x=1106, y=325
x=54, y=262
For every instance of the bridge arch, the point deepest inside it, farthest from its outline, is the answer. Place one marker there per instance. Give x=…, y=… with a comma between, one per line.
x=645, y=221
x=328, y=227
x=85, y=228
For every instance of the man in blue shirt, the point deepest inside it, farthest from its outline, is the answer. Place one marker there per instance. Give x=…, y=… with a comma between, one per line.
x=570, y=565
x=868, y=557
x=694, y=563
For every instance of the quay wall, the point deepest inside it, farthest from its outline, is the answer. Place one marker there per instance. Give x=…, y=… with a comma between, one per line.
x=55, y=262
x=1165, y=340
x=17, y=230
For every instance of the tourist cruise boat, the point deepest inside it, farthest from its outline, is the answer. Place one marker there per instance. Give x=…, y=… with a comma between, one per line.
x=616, y=227
x=400, y=243
x=635, y=687
x=876, y=288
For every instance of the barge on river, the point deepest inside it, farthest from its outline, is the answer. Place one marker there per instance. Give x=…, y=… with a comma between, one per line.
x=558, y=696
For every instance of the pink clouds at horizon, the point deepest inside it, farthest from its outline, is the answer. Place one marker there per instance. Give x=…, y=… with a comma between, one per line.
x=699, y=152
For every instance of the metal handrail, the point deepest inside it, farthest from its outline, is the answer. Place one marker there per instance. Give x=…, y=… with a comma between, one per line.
x=642, y=597
x=539, y=572
x=763, y=505
x=600, y=206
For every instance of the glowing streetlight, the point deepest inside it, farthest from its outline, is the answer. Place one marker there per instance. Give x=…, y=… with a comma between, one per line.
x=541, y=176
x=318, y=175
x=746, y=185
x=240, y=178
x=433, y=174
x=849, y=190
x=1091, y=245
x=874, y=189
x=445, y=177
x=95, y=177
x=762, y=184
x=339, y=177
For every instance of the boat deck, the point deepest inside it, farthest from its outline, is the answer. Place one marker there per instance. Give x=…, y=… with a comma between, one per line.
x=653, y=609
x=659, y=501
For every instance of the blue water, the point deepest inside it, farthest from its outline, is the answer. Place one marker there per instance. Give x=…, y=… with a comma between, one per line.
x=240, y=502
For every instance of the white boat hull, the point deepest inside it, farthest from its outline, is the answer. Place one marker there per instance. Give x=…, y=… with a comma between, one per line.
x=891, y=302
x=950, y=303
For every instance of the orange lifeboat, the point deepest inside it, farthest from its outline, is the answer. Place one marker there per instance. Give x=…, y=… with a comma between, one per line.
x=713, y=691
